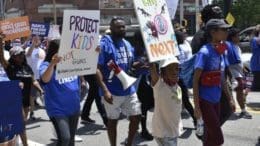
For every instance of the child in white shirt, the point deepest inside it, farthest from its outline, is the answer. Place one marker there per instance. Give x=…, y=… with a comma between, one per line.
x=166, y=123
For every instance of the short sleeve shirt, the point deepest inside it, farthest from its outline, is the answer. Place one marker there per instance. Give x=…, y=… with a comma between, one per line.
x=122, y=53
x=209, y=60
x=61, y=96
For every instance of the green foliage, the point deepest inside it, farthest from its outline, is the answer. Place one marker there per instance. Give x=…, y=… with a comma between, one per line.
x=246, y=12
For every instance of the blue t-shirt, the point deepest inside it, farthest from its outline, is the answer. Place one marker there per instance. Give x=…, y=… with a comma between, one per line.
x=233, y=54
x=255, y=59
x=209, y=60
x=121, y=52
x=61, y=96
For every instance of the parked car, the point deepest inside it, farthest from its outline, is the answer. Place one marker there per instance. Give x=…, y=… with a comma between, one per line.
x=245, y=37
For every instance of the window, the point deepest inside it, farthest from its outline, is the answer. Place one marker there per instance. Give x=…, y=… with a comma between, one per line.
x=109, y=4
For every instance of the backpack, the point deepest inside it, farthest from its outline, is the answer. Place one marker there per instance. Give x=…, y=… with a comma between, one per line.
x=187, y=71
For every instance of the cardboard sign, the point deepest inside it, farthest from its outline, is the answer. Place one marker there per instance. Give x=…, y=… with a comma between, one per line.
x=156, y=28
x=54, y=32
x=15, y=27
x=78, y=43
x=40, y=29
x=11, y=118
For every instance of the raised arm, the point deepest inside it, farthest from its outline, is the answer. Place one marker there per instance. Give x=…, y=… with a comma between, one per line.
x=154, y=74
x=3, y=62
x=46, y=77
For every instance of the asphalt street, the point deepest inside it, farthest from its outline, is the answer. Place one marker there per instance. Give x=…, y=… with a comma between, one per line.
x=237, y=131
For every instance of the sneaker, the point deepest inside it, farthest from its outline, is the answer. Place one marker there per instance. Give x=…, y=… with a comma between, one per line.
x=200, y=129
x=246, y=115
x=78, y=139
x=87, y=120
x=32, y=117
x=146, y=135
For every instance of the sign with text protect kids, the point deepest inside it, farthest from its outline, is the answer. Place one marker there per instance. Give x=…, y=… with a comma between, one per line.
x=156, y=28
x=78, y=43
x=15, y=27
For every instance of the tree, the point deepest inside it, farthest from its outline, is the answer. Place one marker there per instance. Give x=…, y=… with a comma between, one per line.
x=246, y=12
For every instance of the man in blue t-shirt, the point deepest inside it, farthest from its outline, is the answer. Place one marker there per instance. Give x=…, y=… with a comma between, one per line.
x=117, y=51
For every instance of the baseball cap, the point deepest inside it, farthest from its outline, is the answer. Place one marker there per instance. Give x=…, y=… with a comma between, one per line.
x=168, y=61
x=16, y=50
x=216, y=23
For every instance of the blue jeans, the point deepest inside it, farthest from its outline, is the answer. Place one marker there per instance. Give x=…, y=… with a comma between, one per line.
x=166, y=141
x=65, y=128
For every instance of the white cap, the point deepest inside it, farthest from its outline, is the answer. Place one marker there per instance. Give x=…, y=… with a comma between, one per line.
x=166, y=62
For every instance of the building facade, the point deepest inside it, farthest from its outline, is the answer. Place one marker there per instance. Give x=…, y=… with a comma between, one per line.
x=43, y=10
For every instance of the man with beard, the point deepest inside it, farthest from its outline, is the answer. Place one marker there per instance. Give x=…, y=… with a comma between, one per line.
x=117, y=54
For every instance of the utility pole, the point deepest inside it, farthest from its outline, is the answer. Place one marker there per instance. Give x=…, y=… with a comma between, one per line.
x=181, y=12
x=197, y=15
x=54, y=11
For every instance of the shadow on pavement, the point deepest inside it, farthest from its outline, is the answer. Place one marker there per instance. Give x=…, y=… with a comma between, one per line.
x=254, y=106
x=137, y=141
x=52, y=144
x=90, y=129
x=187, y=133
x=234, y=117
x=36, y=120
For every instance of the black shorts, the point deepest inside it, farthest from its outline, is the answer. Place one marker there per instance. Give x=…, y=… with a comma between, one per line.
x=145, y=94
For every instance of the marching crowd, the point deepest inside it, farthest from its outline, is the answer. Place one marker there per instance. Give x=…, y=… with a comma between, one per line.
x=217, y=69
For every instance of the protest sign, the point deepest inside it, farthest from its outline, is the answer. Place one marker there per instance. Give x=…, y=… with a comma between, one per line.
x=11, y=118
x=15, y=27
x=54, y=32
x=172, y=7
x=40, y=29
x=78, y=43
x=156, y=28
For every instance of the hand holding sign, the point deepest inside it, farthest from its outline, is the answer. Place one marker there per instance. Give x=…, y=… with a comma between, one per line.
x=55, y=59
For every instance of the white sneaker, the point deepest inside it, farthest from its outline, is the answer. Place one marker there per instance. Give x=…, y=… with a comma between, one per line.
x=200, y=127
x=78, y=139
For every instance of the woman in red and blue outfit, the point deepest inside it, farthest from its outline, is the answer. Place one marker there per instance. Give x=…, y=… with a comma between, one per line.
x=209, y=79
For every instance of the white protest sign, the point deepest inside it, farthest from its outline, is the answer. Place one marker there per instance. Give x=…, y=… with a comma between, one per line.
x=205, y=2
x=172, y=7
x=80, y=31
x=156, y=28
x=54, y=32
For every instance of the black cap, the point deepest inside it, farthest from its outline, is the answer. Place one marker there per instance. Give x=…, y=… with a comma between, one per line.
x=217, y=23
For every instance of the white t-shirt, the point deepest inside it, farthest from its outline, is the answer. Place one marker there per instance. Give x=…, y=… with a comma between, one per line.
x=167, y=110
x=185, y=51
x=35, y=60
